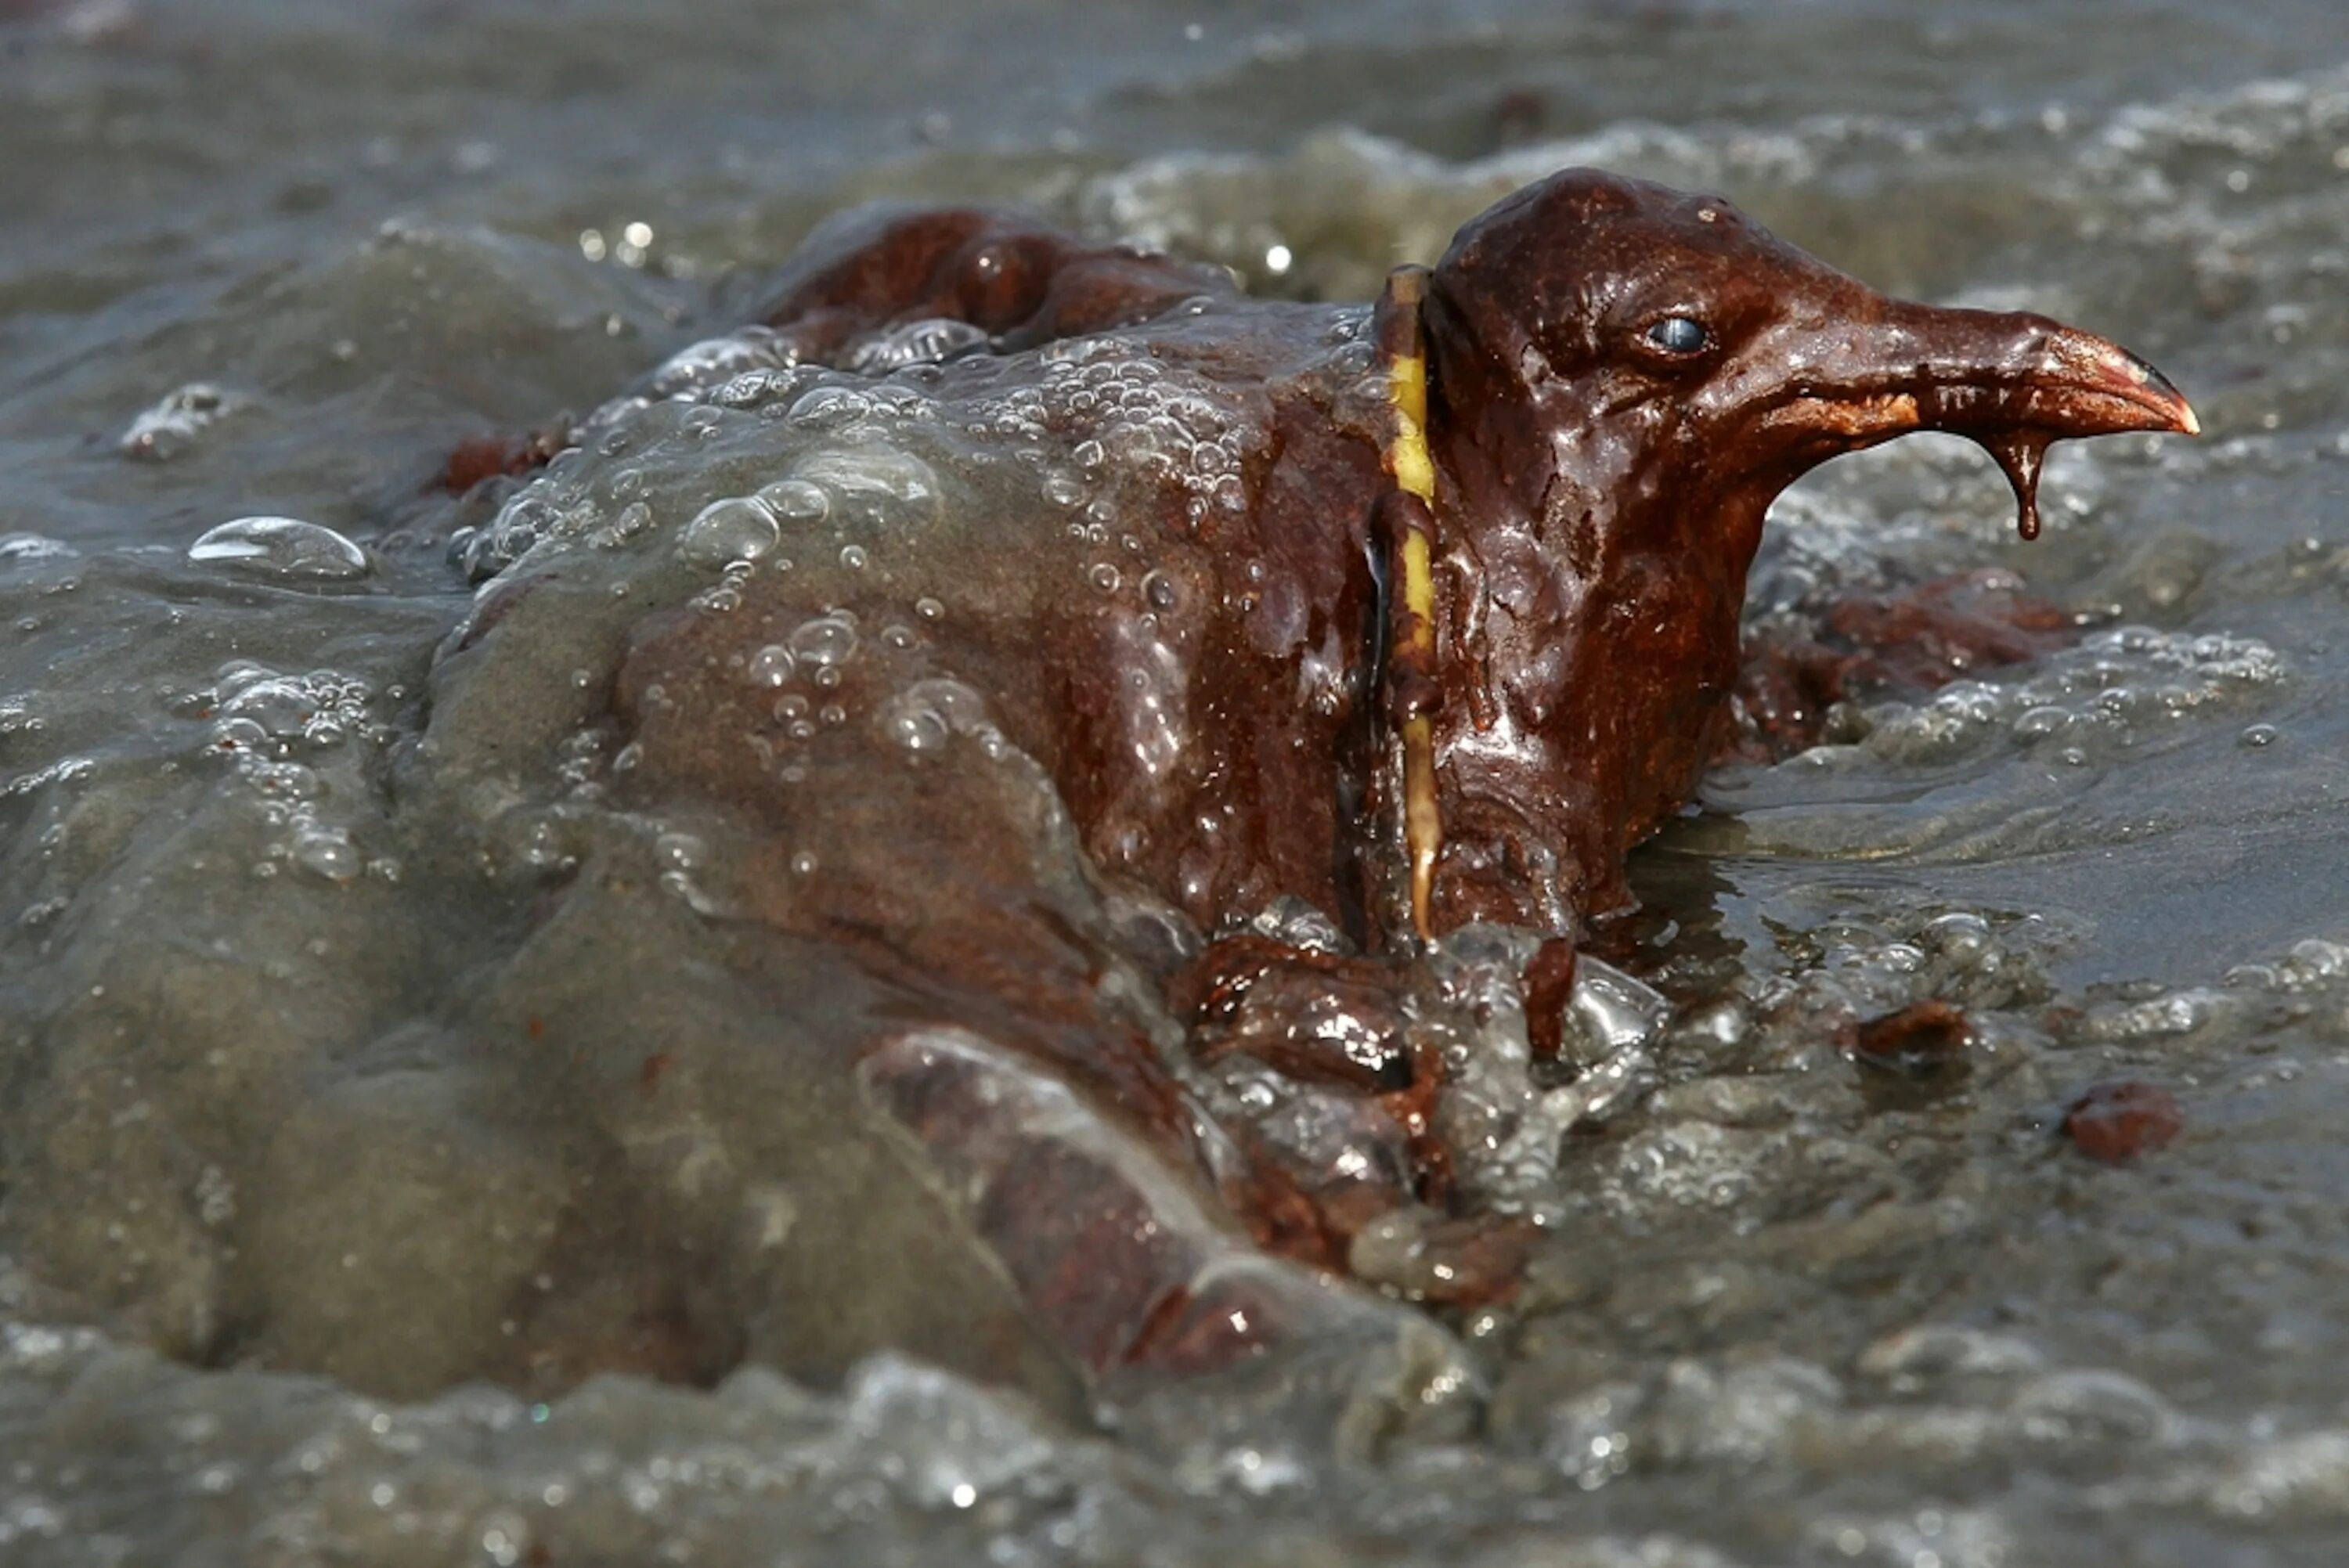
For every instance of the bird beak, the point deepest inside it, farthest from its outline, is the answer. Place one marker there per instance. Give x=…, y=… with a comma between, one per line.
x=2011, y=382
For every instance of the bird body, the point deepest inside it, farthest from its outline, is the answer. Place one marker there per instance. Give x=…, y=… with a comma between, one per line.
x=1201, y=609
x=1617, y=380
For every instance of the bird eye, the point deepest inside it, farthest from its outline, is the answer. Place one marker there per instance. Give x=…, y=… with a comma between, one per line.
x=1679, y=334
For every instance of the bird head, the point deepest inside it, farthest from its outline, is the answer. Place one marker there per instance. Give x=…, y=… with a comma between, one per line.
x=1623, y=376
x=1618, y=328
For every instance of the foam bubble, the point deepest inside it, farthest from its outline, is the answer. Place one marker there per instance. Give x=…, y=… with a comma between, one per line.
x=16, y=547
x=2105, y=694
x=772, y=665
x=739, y=527
x=795, y=501
x=829, y=408
x=928, y=713
x=281, y=547
x=525, y=518
x=876, y=486
x=716, y=361
x=327, y=852
x=827, y=642
x=925, y=341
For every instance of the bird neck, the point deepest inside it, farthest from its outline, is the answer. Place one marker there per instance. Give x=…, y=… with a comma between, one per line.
x=1600, y=581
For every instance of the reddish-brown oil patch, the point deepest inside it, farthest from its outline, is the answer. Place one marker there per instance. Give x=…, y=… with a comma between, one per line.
x=2117, y=1123
x=1338, y=1024
x=1548, y=987
x=1414, y=1109
x=1920, y=1040
x=1205, y=1331
x=1914, y=1057
x=1332, y=1022
x=655, y=1066
x=1920, y=639
x=480, y=457
x=1316, y=1017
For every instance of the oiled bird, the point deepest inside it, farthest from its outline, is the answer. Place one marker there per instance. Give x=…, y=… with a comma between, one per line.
x=1413, y=616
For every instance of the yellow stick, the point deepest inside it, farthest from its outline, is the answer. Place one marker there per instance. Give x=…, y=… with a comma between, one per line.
x=1412, y=575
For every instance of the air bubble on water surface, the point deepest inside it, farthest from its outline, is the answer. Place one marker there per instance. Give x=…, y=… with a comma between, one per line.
x=252, y=705
x=829, y=408
x=1959, y=937
x=752, y=388
x=795, y=501
x=772, y=665
x=927, y=342
x=853, y=557
x=874, y=486
x=922, y=717
x=281, y=547
x=1615, y=1010
x=2038, y=722
x=521, y=523
x=613, y=412
x=739, y=527
x=21, y=547
x=2099, y=696
x=679, y=852
x=827, y=642
x=628, y=524
x=327, y=852
x=917, y=728
x=280, y=707
x=716, y=361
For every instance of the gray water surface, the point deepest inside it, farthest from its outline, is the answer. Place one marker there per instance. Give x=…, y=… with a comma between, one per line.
x=326, y=1166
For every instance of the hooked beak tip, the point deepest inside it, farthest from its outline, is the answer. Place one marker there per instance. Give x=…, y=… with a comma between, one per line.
x=2153, y=391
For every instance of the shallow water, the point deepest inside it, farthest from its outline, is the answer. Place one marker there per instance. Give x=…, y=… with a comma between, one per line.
x=326, y=1163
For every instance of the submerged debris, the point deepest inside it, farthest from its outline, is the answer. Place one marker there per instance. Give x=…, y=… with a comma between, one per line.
x=2117, y=1123
x=177, y=423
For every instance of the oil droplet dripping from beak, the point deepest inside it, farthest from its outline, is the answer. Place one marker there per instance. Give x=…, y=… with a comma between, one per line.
x=2020, y=454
